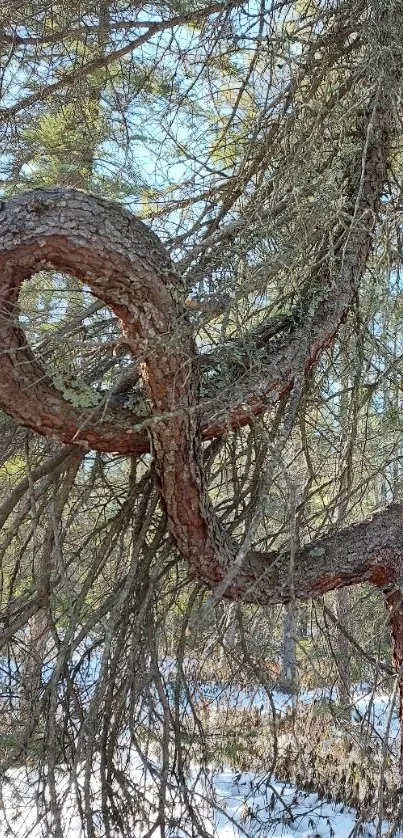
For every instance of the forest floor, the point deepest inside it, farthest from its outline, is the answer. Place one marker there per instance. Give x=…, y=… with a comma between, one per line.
x=246, y=803
x=250, y=806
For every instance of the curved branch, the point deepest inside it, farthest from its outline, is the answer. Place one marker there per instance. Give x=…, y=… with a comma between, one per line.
x=35, y=235
x=126, y=266
x=28, y=394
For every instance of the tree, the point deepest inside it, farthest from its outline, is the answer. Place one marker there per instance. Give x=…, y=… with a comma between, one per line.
x=290, y=222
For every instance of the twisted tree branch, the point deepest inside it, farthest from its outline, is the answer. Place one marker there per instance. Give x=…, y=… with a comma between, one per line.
x=126, y=266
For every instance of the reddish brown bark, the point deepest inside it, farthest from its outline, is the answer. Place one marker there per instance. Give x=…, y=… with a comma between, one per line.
x=126, y=266
x=105, y=247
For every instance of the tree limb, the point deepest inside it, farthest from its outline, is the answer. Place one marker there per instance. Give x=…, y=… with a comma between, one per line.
x=127, y=267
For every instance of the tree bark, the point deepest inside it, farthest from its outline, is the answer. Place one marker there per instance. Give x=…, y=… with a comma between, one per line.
x=35, y=642
x=341, y=610
x=127, y=267
x=394, y=605
x=289, y=656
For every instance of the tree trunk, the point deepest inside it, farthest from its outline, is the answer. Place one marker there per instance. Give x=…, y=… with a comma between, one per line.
x=394, y=604
x=341, y=609
x=35, y=641
x=289, y=656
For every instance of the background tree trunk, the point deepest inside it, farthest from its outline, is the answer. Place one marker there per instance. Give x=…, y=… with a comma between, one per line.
x=394, y=605
x=341, y=611
x=289, y=654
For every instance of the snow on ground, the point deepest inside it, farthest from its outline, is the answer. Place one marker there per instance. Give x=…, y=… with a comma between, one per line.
x=378, y=710
x=288, y=813
x=247, y=805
